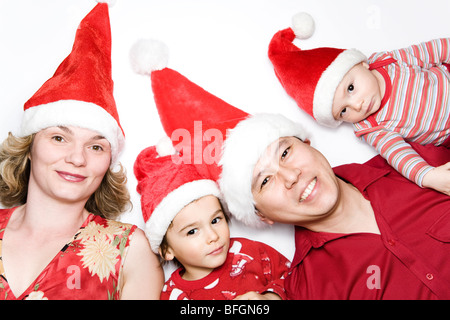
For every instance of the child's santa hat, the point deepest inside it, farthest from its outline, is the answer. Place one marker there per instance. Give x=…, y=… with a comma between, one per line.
x=180, y=102
x=166, y=187
x=80, y=93
x=310, y=77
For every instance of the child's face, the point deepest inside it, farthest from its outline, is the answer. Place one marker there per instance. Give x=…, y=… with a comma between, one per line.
x=199, y=237
x=358, y=95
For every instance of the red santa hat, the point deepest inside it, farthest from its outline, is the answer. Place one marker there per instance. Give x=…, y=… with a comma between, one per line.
x=183, y=105
x=180, y=102
x=310, y=77
x=166, y=187
x=80, y=93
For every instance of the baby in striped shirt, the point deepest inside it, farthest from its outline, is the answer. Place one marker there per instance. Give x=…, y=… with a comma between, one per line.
x=391, y=98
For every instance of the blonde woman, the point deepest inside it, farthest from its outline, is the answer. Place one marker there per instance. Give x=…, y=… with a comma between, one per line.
x=58, y=239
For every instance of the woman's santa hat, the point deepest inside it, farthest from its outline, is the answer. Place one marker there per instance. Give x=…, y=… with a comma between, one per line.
x=166, y=187
x=180, y=102
x=80, y=93
x=310, y=77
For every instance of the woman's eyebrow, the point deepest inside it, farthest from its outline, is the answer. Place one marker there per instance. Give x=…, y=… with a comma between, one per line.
x=65, y=129
x=98, y=137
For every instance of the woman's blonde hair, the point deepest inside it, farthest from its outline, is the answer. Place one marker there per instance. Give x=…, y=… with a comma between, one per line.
x=108, y=201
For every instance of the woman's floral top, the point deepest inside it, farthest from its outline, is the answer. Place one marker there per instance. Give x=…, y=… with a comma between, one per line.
x=88, y=267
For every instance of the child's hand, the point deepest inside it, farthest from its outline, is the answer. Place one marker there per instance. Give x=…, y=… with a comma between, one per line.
x=438, y=179
x=252, y=295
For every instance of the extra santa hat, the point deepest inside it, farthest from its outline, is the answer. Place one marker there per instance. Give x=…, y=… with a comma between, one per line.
x=80, y=93
x=195, y=120
x=166, y=187
x=244, y=137
x=310, y=77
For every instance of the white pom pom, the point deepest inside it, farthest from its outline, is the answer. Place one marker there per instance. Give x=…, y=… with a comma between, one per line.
x=303, y=25
x=148, y=55
x=164, y=147
x=110, y=3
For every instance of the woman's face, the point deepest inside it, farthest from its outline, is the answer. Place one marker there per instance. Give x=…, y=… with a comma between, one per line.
x=293, y=183
x=68, y=163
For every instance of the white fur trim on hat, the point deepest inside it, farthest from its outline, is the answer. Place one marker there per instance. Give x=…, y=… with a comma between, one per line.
x=161, y=218
x=329, y=81
x=75, y=113
x=242, y=149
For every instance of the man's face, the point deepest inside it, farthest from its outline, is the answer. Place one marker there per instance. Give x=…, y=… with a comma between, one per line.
x=293, y=183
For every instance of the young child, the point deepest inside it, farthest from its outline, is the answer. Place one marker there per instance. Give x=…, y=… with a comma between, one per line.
x=390, y=98
x=185, y=222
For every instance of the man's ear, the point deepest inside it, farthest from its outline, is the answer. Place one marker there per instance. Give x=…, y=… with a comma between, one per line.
x=307, y=141
x=263, y=218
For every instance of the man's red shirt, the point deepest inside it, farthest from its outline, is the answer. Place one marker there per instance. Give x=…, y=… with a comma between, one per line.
x=410, y=259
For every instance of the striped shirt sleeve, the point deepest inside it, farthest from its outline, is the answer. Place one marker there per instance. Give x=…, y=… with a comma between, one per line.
x=425, y=55
x=418, y=108
x=399, y=154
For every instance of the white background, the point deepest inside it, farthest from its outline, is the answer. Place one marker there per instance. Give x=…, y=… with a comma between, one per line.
x=219, y=45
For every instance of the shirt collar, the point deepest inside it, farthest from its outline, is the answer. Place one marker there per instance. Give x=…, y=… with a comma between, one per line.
x=359, y=175
x=363, y=175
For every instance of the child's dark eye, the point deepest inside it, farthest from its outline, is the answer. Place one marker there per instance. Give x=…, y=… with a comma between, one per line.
x=350, y=88
x=343, y=112
x=191, y=232
x=216, y=220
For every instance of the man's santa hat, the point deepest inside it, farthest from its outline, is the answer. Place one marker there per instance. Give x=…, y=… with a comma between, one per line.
x=166, y=187
x=80, y=93
x=180, y=102
x=310, y=77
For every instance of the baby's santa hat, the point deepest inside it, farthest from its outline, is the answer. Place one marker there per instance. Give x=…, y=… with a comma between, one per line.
x=310, y=77
x=245, y=137
x=166, y=187
x=80, y=93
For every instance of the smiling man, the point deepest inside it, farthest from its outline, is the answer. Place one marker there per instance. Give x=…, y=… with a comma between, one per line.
x=362, y=230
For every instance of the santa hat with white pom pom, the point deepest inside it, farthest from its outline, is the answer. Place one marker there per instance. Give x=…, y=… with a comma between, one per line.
x=80, y=93
x=166, y=187
x=184, y=106
x=181, y=102
x=310, y=77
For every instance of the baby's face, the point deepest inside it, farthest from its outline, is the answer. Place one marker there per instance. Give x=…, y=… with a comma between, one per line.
x=358, y=95
x=199, y=237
